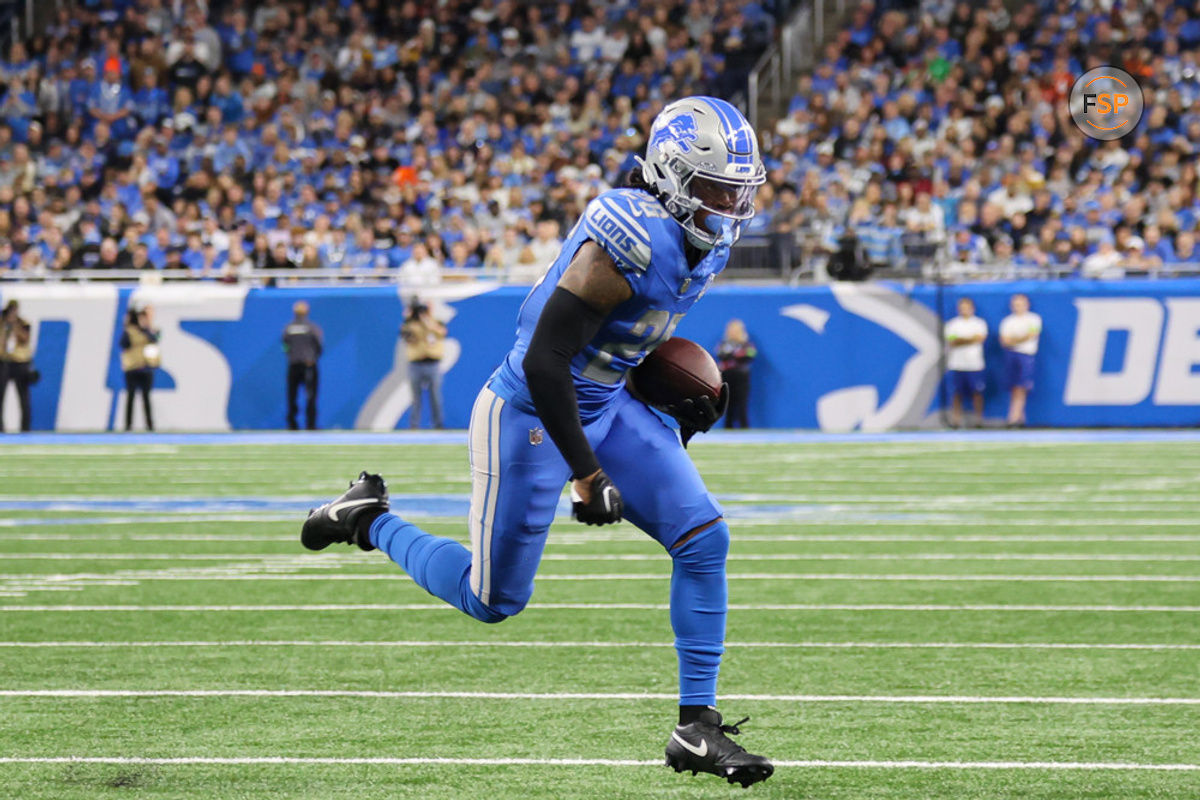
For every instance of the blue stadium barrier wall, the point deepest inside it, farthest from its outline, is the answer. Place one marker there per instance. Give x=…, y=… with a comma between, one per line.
x=840, y=357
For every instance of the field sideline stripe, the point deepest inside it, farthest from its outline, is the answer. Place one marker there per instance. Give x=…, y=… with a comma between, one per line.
x=50, y=579
x=300, y=557
x=600, y=644
x=611, y=607
x=593, y=762
x=623, y=696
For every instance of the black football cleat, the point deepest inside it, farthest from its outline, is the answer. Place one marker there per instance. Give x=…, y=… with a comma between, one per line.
x=702, y=746
x=337, y=521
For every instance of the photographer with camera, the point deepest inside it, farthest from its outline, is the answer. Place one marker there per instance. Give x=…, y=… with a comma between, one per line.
x=140, y=356
x=16, y=361
x=425, y=342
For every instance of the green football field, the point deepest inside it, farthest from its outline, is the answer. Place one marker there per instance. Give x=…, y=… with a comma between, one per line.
x=914, y=617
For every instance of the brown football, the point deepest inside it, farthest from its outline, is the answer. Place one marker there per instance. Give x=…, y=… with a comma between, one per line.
x=678, y=369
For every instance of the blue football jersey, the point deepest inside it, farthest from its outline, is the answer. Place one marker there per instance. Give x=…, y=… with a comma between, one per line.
x=647, y=246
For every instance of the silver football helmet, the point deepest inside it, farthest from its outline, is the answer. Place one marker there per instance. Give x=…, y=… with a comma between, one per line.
x=702, y=158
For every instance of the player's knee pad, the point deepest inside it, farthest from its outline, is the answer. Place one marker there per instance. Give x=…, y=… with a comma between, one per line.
x=706, y=550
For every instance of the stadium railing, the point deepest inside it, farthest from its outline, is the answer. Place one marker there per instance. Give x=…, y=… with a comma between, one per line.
x=759, y=259
x=774, y=75
x=257, y=277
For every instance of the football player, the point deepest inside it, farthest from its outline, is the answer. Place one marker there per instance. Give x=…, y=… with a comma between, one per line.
x=634, y=264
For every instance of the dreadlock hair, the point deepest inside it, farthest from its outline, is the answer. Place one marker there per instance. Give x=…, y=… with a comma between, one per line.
x=634, y=179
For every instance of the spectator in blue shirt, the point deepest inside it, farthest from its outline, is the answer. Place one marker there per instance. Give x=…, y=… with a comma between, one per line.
x=157, y=249
x=79, y=85
x=897, y=127
x=1186, y=254
x=18, y=109
x=151, y=100
x=164, y=166
x=333, y=252
x=8, y=257
x=360, y=254
x=193, y=253
x=1157, y=246
x=969, y=248
x=19, y=65
x=228, y=100
x=111, y=102
x=229, y=150
x=462, y=258
x=881, y=238
x=239, y=43
x=402, y=251
x=214, y=260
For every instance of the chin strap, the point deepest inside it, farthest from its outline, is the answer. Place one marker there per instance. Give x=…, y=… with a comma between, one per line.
x=696, y=241
x=725, y=236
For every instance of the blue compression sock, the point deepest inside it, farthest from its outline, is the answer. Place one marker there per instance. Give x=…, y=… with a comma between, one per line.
x=439, y=566
x=698, y=606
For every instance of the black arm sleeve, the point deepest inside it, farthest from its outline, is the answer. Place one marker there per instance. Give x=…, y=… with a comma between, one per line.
x=567, y=324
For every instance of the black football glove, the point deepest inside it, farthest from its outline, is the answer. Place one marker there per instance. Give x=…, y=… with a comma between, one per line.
x=698, y=415
x=605, y=505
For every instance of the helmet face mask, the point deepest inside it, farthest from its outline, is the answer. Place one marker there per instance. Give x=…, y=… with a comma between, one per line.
x=702, y=159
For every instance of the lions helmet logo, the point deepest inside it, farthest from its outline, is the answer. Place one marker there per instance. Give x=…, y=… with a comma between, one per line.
x=680, y=130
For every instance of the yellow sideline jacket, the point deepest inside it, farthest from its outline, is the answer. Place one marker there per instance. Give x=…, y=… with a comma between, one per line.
x=15, y=343
x=142, y=351
x=424, y=341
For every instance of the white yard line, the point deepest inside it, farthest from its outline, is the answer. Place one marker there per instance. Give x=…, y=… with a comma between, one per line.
x=49, y=579
x=19, y=533
x=973, y=519
x=214, y=517
x=623, y=696
x=295, y=557
x=415, y=643
x=303, y=559
x=1086, y=766
x=902, y=607
x=1066, y=538
x=582, y=539
x=34, y=536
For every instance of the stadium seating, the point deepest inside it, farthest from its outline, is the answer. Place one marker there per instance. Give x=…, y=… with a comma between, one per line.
x=364, y=138
x=939, y=136
x=157, y=139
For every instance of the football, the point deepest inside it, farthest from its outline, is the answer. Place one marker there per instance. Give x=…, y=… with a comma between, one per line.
x=676, y=370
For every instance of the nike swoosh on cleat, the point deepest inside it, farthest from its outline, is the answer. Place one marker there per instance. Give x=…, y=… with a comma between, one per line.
x=336, y=507
x=701, y=751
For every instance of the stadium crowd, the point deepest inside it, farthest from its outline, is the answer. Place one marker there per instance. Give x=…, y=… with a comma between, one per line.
x=942, y=136
x=430, y=139
x=411, y=138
